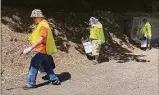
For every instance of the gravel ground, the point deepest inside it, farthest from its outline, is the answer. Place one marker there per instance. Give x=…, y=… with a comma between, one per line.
x=79, y=77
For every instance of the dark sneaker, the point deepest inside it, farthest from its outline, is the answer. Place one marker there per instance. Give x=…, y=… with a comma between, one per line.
x=55, y=82
x=27, y=87
x=95, y=62
x=150, y=48
x=46, y=77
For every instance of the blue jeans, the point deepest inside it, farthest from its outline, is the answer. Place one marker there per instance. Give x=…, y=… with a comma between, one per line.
x=149, y=42
x=38, y=59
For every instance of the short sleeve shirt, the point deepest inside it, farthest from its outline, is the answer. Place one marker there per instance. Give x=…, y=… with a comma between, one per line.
x=42, y=47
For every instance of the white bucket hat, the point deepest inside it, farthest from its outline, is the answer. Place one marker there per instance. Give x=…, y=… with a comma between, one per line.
x=92, y=20
x=37, y=13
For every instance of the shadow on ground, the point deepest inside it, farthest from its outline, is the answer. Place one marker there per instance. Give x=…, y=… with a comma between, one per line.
x=155, y=43
x=62, y=77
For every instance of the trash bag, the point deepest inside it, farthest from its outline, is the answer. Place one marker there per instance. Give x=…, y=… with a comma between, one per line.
x=144, y=42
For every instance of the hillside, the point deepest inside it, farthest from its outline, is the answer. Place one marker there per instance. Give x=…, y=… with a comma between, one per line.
x=137, y=74
x=69, y=28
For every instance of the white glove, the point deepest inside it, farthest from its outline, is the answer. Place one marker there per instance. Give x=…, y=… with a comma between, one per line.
x=92, y=25
x=27, y=50
x=145, y=35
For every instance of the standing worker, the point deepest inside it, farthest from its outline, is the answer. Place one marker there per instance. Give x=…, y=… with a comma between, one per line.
x=146, y=32
x=43, y=44
x=97, y=38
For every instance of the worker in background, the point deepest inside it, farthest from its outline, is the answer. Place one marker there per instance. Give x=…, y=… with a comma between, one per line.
x=146, y=32
x=44, y=46
x=97, y=38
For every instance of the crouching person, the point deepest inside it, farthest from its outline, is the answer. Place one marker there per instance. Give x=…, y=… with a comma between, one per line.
x=43, y=44
x=97, y=38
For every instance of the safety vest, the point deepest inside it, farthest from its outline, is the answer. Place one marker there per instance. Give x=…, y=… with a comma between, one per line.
x=97, y=33
x=50, y=43
x=146, y=30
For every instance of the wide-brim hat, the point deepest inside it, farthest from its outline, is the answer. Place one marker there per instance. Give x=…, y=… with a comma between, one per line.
x=92, y=20
x=36, y=13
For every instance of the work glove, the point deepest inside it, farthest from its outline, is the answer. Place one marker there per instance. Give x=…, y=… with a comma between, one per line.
x=145, y=35
x=27, y=50
x=93, y=25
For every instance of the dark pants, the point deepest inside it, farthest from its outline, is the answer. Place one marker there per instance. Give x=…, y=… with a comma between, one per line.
x=148, y=42
x=41, y=69
x=44, y=60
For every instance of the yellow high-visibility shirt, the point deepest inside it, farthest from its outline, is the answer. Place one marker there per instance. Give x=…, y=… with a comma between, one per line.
x=97, y=33
x=146, y=30
x=50, y=43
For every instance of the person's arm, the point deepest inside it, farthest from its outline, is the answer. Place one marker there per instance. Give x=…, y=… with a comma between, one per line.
x=142, y=31
x=147, y=29
x=43, y=35
x=40, y=40
x=97, y=25
x=27, y=50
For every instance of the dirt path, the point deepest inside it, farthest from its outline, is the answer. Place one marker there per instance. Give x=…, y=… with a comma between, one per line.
x=110, y=78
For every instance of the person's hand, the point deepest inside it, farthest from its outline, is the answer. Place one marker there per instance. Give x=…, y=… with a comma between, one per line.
x=145, y=35
x=93, y=25
x=27, y=50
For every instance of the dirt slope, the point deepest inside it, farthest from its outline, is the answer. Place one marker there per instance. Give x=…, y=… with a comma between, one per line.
x=127, y=72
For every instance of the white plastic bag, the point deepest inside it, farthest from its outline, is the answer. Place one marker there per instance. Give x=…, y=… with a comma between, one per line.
x=87, y=46
x=143, y=43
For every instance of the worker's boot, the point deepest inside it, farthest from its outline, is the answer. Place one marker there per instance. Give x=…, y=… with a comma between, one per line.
x=55, y=82
x=149, y=46
x=95, y=61
x=28, y=86
x=46, y=77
